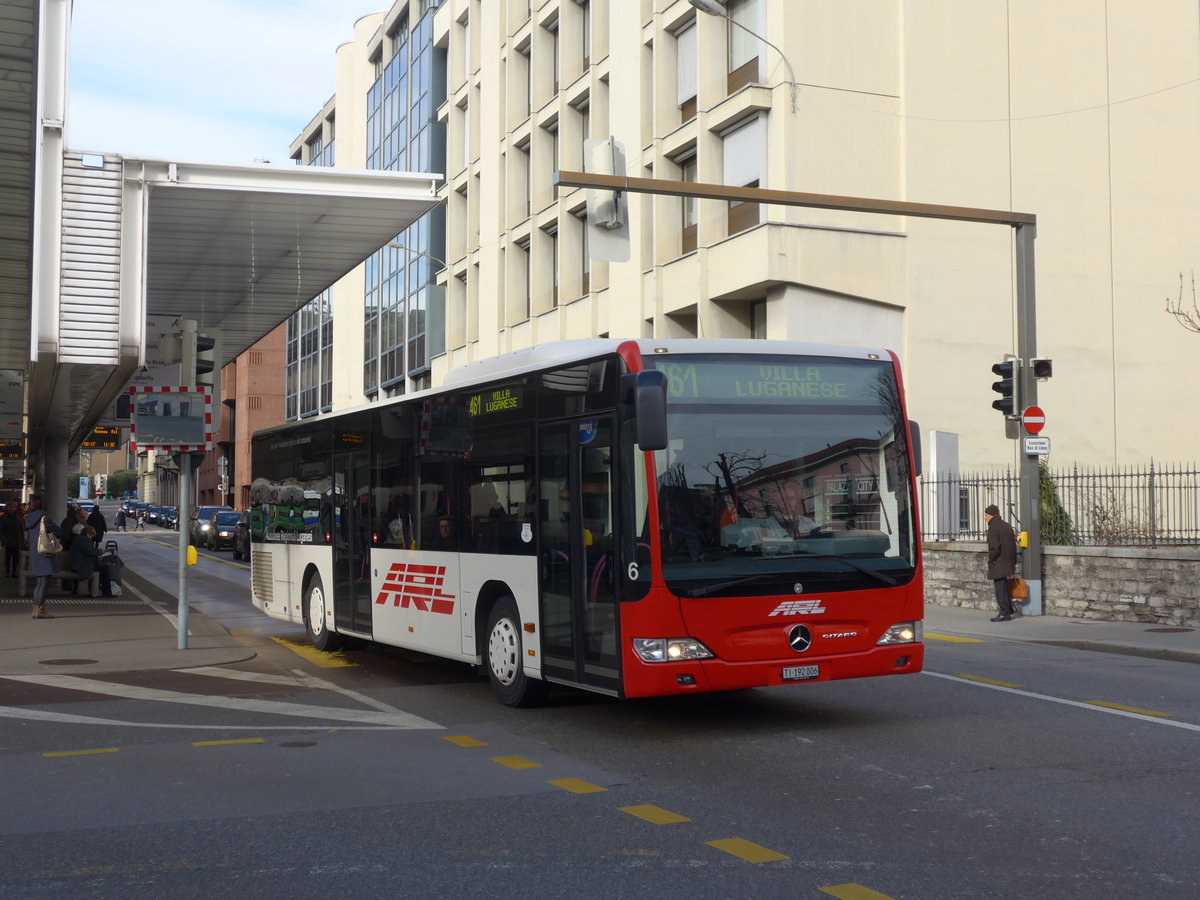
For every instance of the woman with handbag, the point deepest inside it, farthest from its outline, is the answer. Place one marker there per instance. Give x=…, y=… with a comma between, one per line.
x=1002, y=560
x=44, y=547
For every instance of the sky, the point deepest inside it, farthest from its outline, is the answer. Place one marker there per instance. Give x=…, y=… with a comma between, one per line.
x=226, y=81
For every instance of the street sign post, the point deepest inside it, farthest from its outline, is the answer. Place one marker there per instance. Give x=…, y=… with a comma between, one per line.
x=1034, y=419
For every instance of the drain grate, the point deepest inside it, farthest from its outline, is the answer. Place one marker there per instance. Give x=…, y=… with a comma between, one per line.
x=1170, y=630
x=67, y=662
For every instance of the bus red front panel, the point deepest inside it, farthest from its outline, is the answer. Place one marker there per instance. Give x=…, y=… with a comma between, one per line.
x=765, y=641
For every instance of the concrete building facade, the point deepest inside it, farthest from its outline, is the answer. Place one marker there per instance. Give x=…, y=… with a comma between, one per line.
x=1080, y=113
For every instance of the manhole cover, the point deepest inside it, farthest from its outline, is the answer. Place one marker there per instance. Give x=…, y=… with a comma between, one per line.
x=1170, y=630
x=68, y=662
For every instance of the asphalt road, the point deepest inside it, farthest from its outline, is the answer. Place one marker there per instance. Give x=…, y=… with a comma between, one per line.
x=1006, y=770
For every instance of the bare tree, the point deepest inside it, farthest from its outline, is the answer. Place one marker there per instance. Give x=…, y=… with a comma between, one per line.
x=1188, y=318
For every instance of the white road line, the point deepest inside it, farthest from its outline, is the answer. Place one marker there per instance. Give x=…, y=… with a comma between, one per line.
x=170, y=617
x=42, y=715
x=300, y=679
x=239, y=675
x=314, y=681
x=271, y=707
x=1153, y=720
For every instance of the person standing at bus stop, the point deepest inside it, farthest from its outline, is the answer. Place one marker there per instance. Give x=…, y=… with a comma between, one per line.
x=1002, y=560
x=41, y=566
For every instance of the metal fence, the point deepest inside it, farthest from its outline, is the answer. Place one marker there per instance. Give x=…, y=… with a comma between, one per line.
x=1145, y=506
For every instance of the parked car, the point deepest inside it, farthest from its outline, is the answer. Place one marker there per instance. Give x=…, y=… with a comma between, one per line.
x=241, y=536
x=220, y=533
x=202, y=522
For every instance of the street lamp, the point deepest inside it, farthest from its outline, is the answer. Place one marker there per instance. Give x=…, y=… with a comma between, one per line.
x=714, y=8
x=398, y=246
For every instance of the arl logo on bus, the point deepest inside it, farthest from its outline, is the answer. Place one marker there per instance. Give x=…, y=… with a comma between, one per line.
x=418, y=586
x=798, y=608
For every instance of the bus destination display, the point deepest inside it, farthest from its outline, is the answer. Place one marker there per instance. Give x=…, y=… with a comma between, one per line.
x=841, y=382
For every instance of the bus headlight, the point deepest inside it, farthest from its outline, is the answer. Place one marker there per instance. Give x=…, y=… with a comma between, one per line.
x=669, y=649
x=901, y=633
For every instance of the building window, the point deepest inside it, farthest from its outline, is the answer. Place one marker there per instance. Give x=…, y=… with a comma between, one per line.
x=758, y=320
x=585, y=29
x=308, y=369
x=743, y=164
x=585, y=259
x=551, y=245
x=743, y=46
x=687, y=205
x=525, y=275
x=404, y=135
x=524, y=73
x=685, y=70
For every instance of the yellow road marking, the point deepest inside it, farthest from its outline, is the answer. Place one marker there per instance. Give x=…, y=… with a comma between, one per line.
x=1132, y=709
x=516, y=762
x=234, y=741
x=577, y=786
x=747, y=850
x=853, y=892
x=952, y=639
x=82, y=752
x=462, y=740
x=983, y=680
x=315, y=656
x=655, y=815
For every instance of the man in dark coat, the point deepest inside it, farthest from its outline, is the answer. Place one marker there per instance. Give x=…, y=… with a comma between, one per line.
x=97, y=521
x=1002, y=560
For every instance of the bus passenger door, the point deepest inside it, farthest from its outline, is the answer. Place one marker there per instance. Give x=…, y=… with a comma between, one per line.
x=352, y=542
x=575, y=517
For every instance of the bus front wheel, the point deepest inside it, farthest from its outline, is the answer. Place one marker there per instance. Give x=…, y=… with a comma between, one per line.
x=505, y=657
x=319, y=634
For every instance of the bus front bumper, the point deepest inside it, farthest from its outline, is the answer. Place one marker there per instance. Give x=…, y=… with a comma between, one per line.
x=690, y=676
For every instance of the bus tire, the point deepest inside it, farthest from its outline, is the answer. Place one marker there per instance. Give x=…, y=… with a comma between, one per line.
x=505, y=658
x=315, y=601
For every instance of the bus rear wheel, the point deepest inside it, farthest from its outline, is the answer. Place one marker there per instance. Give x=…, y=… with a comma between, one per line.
x=319, y=634
x=505, y=658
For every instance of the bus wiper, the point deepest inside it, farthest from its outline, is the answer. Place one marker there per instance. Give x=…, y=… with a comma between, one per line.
x=886, y=579
x=745, y=579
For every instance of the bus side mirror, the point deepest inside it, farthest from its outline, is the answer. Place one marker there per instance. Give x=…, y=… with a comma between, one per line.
x=650, y=410
x=914, y=439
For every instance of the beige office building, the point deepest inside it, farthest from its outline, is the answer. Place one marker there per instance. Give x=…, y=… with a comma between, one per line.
x=1086, y=114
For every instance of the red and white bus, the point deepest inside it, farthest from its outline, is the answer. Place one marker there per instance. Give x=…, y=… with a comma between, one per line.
x=636, y=518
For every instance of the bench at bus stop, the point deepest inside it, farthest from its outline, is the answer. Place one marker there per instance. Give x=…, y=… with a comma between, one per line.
x=63, y=576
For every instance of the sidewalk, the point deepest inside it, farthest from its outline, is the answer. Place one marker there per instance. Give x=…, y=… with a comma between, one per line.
x=1129, y=638
x=105, y=634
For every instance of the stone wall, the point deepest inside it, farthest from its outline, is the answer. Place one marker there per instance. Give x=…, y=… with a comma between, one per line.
x=1118, y=584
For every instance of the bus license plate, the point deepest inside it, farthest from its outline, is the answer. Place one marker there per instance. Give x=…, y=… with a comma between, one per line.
x=800, y=673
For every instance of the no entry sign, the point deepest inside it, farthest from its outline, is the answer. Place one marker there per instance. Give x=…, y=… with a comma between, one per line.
x=1033, y=419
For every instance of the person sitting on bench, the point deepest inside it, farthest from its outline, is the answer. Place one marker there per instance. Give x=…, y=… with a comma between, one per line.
x=82, y=557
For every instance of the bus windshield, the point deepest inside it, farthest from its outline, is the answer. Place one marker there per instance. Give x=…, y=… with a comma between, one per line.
x=783, y=475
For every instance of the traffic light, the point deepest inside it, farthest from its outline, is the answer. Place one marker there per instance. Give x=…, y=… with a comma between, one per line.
x=1041, y=368
x=209, y=373
x=1006, y=387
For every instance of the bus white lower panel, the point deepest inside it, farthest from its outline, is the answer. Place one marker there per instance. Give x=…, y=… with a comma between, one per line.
x=427, y=600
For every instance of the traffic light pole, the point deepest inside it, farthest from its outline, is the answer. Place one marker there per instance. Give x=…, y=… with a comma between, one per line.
x=1029, y=473
x=187, y=376
x=1024, y=227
